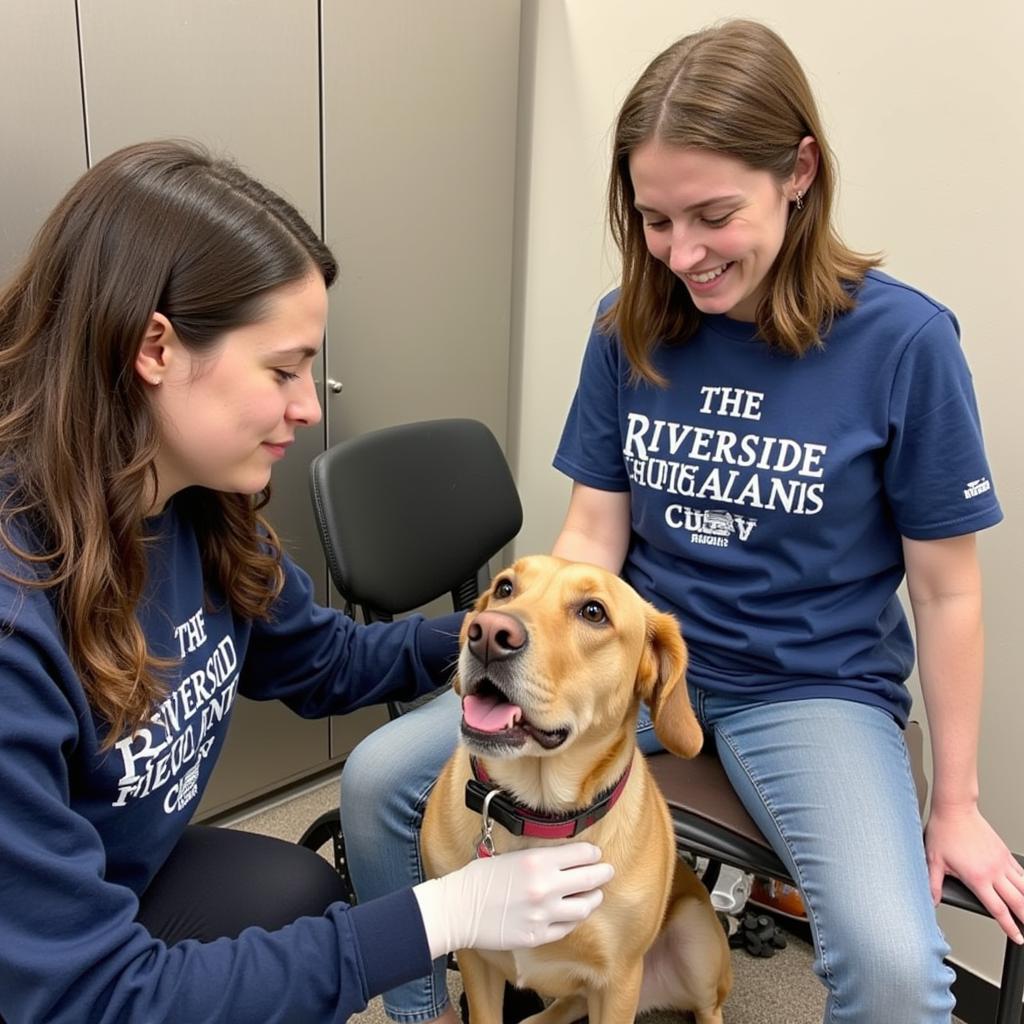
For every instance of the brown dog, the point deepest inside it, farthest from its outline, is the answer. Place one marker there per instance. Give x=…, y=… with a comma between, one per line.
x=555, y=660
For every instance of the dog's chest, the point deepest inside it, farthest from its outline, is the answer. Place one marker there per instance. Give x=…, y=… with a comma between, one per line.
x=580, y=961
x=553, y=971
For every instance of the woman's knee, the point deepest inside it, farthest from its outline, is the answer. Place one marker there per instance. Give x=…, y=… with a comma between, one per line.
x=396, y=765
x=218, y=882
x=368, y=764
x=901, y=986
x=310, y=887
x=886, y=964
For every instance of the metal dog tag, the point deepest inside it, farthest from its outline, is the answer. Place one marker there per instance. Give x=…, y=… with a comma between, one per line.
x=485, y=844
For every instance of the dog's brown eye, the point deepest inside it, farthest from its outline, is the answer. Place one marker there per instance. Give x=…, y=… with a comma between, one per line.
x=503, y=588
x=593, y=611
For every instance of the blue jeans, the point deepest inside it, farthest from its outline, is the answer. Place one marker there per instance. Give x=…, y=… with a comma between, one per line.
x=829, y=783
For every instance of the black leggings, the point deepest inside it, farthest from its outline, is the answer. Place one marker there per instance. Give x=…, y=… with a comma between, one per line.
x=219, y=881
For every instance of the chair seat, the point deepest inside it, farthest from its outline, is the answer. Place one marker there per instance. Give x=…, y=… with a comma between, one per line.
x=707, y=816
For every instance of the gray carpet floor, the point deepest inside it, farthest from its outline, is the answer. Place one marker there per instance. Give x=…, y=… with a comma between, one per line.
x=778, y=990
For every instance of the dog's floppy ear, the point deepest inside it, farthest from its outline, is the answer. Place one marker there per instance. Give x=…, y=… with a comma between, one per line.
x=661, y=683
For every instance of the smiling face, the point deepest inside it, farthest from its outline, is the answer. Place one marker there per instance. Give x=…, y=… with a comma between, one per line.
x=560, y=653
x=716, y=223
x=227, y=415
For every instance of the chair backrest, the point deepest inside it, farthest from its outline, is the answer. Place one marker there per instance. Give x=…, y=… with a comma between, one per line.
x=409, y=513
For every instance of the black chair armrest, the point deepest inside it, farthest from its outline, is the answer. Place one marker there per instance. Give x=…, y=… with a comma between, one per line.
x=1011, y=986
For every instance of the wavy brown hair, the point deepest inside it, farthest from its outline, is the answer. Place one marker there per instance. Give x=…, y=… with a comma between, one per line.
x=160, y=226
x=735, y=89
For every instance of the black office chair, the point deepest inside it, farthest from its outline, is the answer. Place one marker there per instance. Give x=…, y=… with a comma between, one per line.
x=408, y=513
x=405, y=515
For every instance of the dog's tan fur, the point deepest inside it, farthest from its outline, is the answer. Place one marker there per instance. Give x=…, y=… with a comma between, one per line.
x=655, y=940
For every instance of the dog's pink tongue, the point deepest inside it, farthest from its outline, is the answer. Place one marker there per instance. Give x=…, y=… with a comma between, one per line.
x=489, y=714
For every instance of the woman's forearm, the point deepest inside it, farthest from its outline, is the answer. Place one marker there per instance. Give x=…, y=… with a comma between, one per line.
x=951, y=656
x=944, y=579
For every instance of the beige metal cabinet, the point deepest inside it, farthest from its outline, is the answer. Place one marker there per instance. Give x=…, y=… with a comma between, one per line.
x=419, y=155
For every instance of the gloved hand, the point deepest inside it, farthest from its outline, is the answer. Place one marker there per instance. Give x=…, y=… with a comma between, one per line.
x=513, y=901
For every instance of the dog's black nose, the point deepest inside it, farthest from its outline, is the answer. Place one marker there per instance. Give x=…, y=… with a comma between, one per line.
x=495, y=635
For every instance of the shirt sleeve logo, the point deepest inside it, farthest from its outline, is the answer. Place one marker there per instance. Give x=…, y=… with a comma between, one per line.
x=976, y=487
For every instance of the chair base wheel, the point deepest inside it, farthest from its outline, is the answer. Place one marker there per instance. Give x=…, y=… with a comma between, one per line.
x=758, y=935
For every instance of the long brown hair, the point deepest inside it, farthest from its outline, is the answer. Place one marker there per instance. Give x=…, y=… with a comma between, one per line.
x=160, y=226
x=738, y=90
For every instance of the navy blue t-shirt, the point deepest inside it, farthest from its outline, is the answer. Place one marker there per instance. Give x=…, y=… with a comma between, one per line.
x=769, y=493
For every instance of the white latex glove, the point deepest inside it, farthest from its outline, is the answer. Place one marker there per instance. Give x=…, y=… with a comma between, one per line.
x=514, y=900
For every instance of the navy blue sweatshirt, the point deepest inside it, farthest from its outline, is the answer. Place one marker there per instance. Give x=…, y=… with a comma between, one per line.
x=82, y=832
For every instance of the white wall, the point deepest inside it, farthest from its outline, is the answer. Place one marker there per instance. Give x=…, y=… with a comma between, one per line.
x=923, y=105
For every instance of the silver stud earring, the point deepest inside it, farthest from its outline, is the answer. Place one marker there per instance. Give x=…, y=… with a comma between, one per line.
x=799, y=199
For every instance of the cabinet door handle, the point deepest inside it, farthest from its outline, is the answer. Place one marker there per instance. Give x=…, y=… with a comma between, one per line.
x=335, y=386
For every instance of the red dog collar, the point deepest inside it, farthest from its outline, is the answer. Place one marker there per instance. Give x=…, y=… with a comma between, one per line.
x=524, y=821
